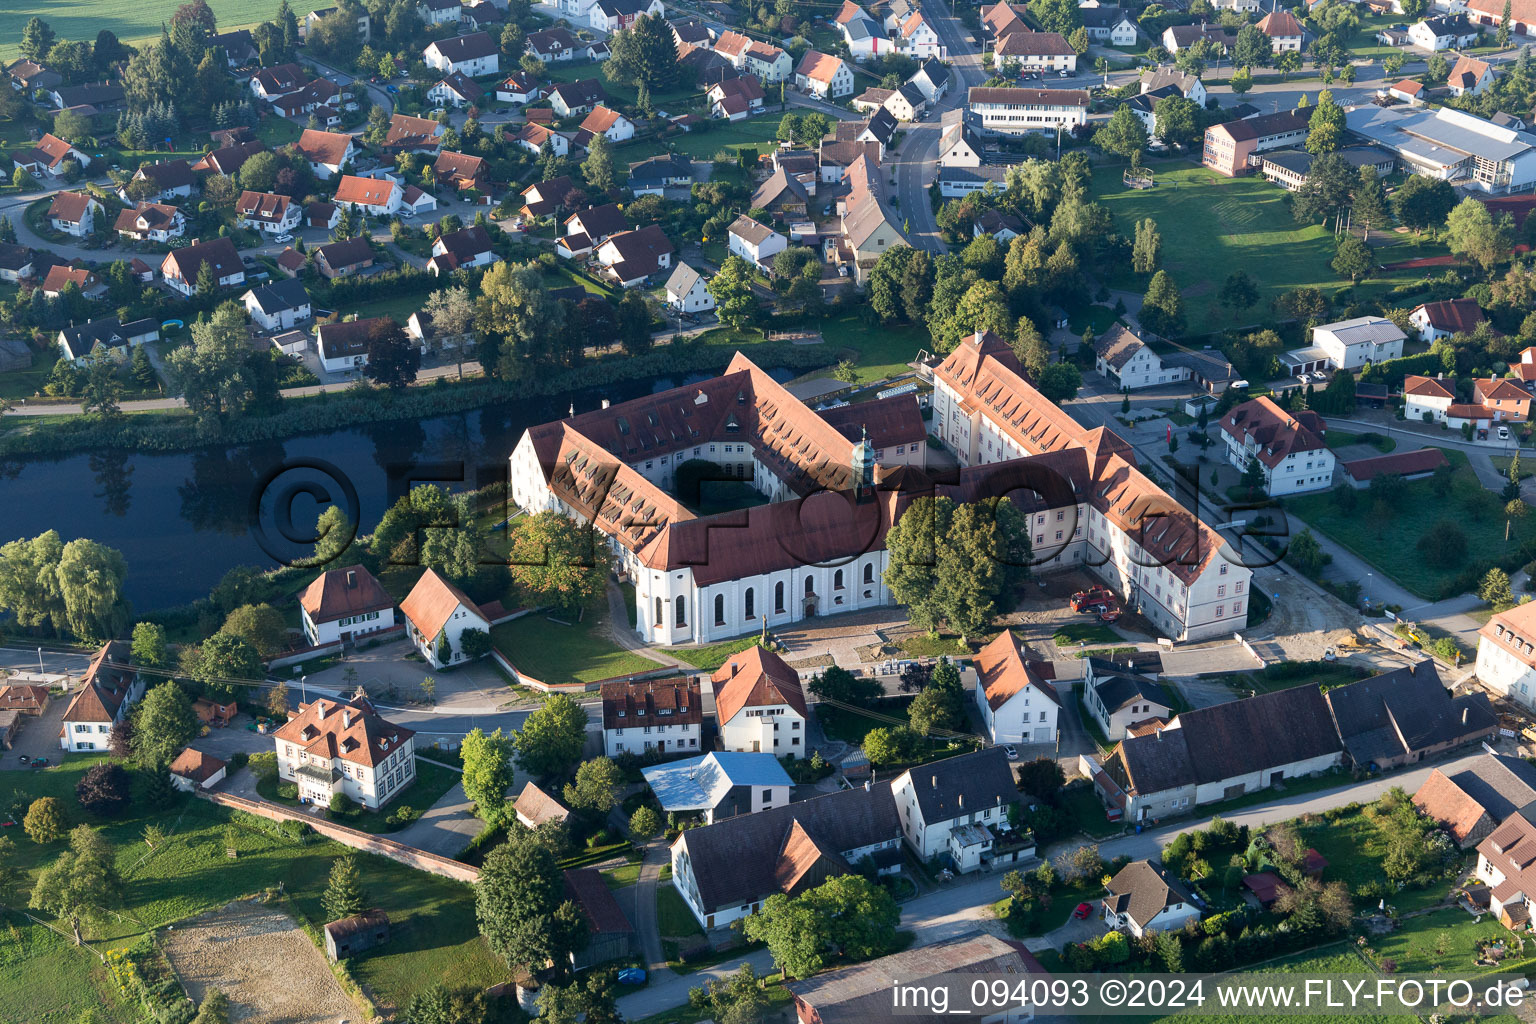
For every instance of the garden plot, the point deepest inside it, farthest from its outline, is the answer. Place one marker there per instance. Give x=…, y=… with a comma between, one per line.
x=262, y=960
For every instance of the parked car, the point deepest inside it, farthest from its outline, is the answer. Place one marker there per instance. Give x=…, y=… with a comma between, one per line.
x=1482, y=434
x=284, y=237
x=1012, y=752
x=1082, y=911
x=1503, y=433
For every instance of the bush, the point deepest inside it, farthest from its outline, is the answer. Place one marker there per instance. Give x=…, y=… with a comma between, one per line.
x=338, y=803
x=288, y=791
x=402, y=815
x=264, y=764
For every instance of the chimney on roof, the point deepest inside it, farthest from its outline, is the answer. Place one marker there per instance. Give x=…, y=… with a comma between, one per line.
x=960, y=799
x=934, y=781
x=351, y=579
x=346, y=719
x=733, y=670
x=605, y=403
x=1464, y=716
x=323, y=708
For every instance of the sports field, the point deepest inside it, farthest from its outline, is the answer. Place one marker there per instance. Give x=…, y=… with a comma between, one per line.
x=132, y=20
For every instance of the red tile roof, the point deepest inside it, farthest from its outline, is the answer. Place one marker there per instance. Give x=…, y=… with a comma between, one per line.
x=352, y=731
x=1427, y=387
x=365, y=191
x=321, y=147
x=1454, y=315
x=340, y=593
x=1425, y=460
x=431, y=601
x=755, y=678
x=627, y=704
x=1277, y=433
x=196, y=765
x=1003, y=673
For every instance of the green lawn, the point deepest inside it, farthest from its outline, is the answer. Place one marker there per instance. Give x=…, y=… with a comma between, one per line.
x=1501, y=463
x=1341, y=439
x=132, y=20
x=1355, y=847
x=852, y=726
x=397, y=307
x=673, y=101
x=711, y=656
x=20, y=384
x=434, y=937
x=877, y=352
x=1212, y=226
x=673, y=918
x=1390, y=542
x=1442, y=942
x=1085, y=633
x=1088, y=813
x=758, y=132
x=556, y=653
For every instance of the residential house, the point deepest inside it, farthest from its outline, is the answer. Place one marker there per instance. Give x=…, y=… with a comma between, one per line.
x=652, y=716
x=1406, y=715
x=473, y=55
x=687, y=291
x=596, y=223
x=436, y=615
x=1414, y=465
x=278, y=80
x=376, y=197
x=343, y=347
x=464, y=249
x=519, y=87
x=461, y=172
x=1035, y=51
x=1121, y=700
x=1290, y=447
x=279, y=305
x=1220, y=753
x=1111, y=25
x=823, y=75
x=735, y=99
x=344, y=604
x=1128, y=362
x=571, y=98
x=767, y=62
x=267, y=212
x=533, y=807
x=1144, y=106
x=228, y=160
x=29, y=76
x=1365, y=340
x=691, y=32
x=632, y=256
x=533, y=137
x=1427, y=399
x=1506, y=863
x=91, y=98
x=151, y=221
x=916, y=38
x=552, y=45
x=759, y=704
x=1188, y=86
x=960, y=146
x=182, y=267
x=931, y=79
x=413, y=134
x=346, y=257
x=106, y=333
x=1017, y=702
x=1470, y=75
x=1436, y=320
x=333, y=747
x=1002, y=19
x=171, y=179
x=616, y=15
x=753, y=241
x=192, y=770
x=955, y=811
x=866, y=38
x=74, y=213
x=1505, y=399
x=15, y=262
x=1144, y=897
x=1017, y=111
x=544, y=198
x=1177, y=37
x=326, y=152
x=1448, y=32
x=869, y=225
x=483, y=16
x=1473, y=800
x=456, y=91
x=782, y=195
x=420, y=328
x=654, y=175
x=48, y=157
x=1001, y=225
x=1490, y=14
x=606, y=122
x=863, y=993
x=720, y=785
x=1506, y=654
x=835, y=156
x=110, y=686
x=905, y=103
x=439, y=12
x=1283, y=30
x=725, y=871
x=60, y=275
x=1229, y=146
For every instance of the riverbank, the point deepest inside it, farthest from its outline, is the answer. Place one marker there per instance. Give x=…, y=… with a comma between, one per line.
x=166, y=432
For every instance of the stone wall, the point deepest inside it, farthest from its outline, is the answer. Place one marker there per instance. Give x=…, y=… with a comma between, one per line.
x=421, y=860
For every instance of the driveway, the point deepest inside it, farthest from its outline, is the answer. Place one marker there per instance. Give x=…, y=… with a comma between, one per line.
x=1091, y=927
x=38, y=737
x=233, y=739
x=445, y=828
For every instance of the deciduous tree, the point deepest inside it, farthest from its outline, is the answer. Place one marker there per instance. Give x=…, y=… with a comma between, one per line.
x=951, y=563
x=559, y=563
x=520, y=905
x=551, y=739
x=596, y=788
x=487, y=772
x=163, y=723
x=82, y=884
x=393, y=359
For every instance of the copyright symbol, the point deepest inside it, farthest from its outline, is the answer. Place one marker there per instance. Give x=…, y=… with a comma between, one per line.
x=271, y=511
x=1113, y=993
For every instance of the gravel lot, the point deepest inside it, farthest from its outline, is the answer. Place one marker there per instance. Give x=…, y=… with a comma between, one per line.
x=261, y=958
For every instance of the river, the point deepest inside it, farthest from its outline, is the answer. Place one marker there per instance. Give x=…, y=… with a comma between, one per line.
x=182, y=520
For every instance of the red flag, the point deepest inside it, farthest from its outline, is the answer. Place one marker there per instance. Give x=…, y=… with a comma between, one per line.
x=1170, y=433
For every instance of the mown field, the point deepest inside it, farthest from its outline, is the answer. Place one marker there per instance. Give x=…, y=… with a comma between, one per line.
x=131, y=20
